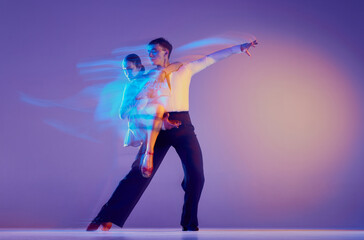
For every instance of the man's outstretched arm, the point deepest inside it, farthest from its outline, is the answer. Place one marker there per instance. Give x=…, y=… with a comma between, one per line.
x=212, y=58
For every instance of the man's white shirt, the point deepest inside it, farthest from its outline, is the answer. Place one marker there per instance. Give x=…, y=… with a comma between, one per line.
x=178, y=100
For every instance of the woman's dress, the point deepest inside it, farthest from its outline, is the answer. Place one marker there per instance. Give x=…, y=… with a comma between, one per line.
x=142, y=98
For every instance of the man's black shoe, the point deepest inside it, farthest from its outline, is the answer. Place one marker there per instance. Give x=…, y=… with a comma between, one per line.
x=190, y=228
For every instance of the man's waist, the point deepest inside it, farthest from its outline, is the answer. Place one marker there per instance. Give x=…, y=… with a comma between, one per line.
x=182, y=116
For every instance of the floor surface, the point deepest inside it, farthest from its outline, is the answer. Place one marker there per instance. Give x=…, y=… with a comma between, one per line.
x=172, y=234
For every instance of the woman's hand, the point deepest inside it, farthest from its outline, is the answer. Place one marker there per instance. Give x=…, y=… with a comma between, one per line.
x=173, y=67
x=169, y=124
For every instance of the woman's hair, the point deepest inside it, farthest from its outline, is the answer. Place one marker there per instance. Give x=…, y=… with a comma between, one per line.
x=136, y=60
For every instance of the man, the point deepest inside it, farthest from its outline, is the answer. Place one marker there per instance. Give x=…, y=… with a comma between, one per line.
x=183, y=139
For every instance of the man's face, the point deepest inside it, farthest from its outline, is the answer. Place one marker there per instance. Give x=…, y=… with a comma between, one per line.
x=130, y=70
x=157, y=54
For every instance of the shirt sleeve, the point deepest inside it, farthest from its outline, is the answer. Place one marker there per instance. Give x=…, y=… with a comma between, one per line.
x=202, y=63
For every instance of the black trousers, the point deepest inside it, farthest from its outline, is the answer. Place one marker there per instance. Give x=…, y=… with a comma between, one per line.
x=130, y=189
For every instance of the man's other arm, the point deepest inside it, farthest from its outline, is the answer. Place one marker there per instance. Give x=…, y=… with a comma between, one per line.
x=202, y=63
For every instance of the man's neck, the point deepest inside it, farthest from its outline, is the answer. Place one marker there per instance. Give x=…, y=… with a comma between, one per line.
x=164, y=65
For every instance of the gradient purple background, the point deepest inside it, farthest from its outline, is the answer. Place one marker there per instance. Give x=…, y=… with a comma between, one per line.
x=281, y=132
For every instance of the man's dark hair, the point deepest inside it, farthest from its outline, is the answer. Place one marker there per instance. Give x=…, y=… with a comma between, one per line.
x=136, y=60
x=164, y=43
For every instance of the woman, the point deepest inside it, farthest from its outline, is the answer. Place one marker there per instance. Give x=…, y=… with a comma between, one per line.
x=143, y=105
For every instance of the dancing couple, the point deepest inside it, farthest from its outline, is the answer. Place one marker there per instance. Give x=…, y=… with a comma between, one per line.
x=156, y=105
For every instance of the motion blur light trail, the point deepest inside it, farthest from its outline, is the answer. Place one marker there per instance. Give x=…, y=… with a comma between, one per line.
x=103, y=99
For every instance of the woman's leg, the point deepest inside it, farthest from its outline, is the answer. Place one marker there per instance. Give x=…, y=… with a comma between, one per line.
x=152, y=134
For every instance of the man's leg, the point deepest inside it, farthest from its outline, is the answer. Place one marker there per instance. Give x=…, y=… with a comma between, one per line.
x=189, y=151
x=131, y=188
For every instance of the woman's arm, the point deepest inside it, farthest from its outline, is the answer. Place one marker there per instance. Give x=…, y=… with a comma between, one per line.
x=166, y=72
x=126, y=103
